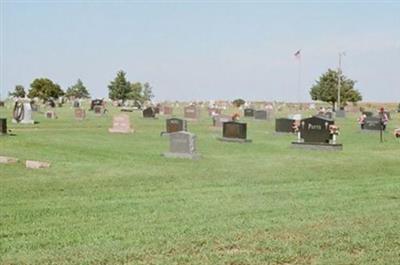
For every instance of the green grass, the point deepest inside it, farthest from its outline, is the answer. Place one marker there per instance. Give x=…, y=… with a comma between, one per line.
x=113, y=199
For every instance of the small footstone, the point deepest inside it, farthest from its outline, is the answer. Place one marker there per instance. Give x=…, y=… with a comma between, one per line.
x=36, y=164
x=8, y=160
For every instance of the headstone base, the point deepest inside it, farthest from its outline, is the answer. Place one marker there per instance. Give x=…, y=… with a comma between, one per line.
x=317, y=146
x=111, y=130
x=370, y=131
x=24, y=122
x=234, y=140
x=181, y=155
x=8, y=160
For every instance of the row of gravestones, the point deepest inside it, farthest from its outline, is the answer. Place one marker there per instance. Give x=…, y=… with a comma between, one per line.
x=257, y=114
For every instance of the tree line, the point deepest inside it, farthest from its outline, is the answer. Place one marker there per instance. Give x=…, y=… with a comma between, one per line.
x=119, y=89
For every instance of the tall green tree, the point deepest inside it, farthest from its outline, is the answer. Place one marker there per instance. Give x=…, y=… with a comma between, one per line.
x=136, y=92
x=77, y=91
x=120, y=87
x=45, y=89
x=326, y=89
x=147, y=92
x=19, y=92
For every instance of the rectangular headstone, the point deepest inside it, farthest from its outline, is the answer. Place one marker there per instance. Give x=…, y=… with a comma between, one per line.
x=260, y=115
x=315, y=129
x=149, y=113
x=249, y=112
x=182, y=145
x=284, y=125
x=372, y=123
x=3, y=126
x=50, y=114
x=98, y=110
x=235, y=130
x=176, y=125
x=8, y=160
x=167, y=110
x=191, y=112
x=220, y=119
x=121, y=124
x=80, y=114
x=36, y=164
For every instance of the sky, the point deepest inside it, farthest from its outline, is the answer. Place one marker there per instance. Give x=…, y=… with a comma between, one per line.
x=192, y=50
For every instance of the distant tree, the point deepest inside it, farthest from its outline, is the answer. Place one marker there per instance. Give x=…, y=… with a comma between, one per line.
x=238, y=102
x=147, y=92
x=45, y=89
x=77, y=91
x=19, y=92
x=136, y=92
x=326, y=89
x=120, y=88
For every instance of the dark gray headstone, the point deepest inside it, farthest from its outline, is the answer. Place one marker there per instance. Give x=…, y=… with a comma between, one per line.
x=284, y=125
x=260, y=115
x=176, y=125
x=372, y=123
x=149, y=113
x=3, y=126
x=2, y=104
x=315, y=129
x=232, y=129
x=249, y=112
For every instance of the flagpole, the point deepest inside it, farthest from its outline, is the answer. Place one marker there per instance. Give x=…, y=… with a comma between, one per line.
x=299, y=82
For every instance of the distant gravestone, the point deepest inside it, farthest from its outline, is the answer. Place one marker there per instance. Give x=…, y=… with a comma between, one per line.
x=77, y=104
x=372, y=124
x=284, y=125
x=80, y=114
x=3, y=126
x=234, y=132
x=182, y=145
x=340, y=113
x=2, y=104
x=36, y=164
x=98, y=110
x=316, y=133
x=249, y=112
x=176, y=125
x=121, y=124
x=50, y=114
x=220, y=119
x=260, y=115
x=191, y=112
x=149, y=113
x=167, y=110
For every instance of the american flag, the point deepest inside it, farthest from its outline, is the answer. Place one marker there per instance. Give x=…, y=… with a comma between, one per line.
x=297, y=54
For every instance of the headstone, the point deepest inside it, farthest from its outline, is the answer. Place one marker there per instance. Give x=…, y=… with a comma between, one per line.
x=77, y=104
x=176, y=125
x=191, y=112
x=340, y=113
x=220, y=119
x=50, y=114
x=3, y=126
x=149, y=113
x=36, y=164
x=157, y=110
x=234, y=132
x=22, y=113
x=80, y=114
x=167, y=110
x=98, y=110
x=8, y=160
x=316, y=133
x=249, y=112
x=260, y=115
x=372, y=124
x=182, y=145
x=121, y=124
x=96, y=102
x=284, y=125
x=2, y=104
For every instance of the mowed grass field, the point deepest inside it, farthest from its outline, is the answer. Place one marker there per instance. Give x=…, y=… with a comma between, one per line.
x=113, y=199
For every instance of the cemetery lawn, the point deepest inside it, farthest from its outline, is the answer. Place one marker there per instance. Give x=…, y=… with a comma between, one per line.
x=113, y=199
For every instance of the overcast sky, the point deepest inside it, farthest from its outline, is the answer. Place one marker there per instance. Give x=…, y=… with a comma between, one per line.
x=197, y=51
